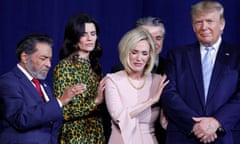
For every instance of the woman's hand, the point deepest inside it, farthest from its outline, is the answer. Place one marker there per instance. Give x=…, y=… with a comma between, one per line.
x=100, y=93
x=163, y=82
x=70, y=92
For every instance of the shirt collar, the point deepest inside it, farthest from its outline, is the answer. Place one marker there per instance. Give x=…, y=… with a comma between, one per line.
x=25, y=72
x=215, y=46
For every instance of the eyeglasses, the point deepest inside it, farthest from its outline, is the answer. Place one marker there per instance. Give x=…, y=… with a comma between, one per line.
x=157, y=21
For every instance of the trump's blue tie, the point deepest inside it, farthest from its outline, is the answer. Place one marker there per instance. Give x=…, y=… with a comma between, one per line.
x=207, y=66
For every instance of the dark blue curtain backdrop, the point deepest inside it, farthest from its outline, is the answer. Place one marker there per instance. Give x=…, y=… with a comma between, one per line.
x=115, y=17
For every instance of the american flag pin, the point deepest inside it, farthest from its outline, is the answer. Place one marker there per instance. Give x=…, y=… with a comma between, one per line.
x=44, y=85
x=227, y=54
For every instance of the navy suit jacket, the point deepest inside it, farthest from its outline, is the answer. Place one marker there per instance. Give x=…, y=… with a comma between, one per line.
x=183, y=97
x=25, y=118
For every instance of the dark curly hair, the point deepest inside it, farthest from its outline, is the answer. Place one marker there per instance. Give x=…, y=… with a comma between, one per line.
x=28, y=43
x=74, y=30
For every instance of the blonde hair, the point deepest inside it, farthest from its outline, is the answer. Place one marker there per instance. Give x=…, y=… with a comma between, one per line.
x=129, y=41
x=207, y=6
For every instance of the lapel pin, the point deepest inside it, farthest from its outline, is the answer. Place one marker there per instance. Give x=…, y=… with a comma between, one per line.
x=227, y=54
x=44, y=85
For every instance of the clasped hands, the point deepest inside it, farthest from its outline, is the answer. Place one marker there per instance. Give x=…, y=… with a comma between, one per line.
x=205, y=129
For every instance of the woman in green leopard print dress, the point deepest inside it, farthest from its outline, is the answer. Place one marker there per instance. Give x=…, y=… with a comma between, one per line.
x=79, y=64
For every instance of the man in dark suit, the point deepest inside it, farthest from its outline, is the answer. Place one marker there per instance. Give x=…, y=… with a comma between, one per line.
x=201, y=110
x=26, y=117
x=155, y=27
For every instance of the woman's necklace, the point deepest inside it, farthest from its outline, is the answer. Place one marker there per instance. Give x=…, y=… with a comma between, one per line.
x=131, y=83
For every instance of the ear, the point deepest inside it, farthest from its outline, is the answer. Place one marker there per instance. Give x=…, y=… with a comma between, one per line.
x=24, y=57
x=223, y=22
x=193, y=27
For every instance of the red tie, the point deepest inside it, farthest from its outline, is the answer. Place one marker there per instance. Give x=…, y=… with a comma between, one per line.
x=38, y=88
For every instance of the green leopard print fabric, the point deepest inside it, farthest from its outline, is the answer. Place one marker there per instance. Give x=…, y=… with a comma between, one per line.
x=82, y=122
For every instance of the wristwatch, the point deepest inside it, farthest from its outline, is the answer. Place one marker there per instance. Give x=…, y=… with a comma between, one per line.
x=220, y=131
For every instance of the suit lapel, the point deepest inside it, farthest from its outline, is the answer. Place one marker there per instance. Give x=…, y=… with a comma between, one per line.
x=194, y=58
x=25, y=81
x=47, y=89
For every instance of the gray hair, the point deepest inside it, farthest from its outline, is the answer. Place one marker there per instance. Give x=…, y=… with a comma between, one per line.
x=150, y=21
